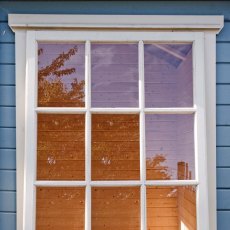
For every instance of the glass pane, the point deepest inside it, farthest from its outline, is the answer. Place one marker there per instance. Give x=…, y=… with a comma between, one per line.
x=171, y=208
x=61, y=75
x=115, y=147
x=114, y=75
x=60, y=208
x=61, y=147
x=116, y=208
x=168, y=75
x=170, y=147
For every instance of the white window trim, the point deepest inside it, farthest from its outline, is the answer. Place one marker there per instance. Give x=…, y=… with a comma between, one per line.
x=210, y=25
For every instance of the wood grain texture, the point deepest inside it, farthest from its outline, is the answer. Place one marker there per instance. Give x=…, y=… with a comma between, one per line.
x=115, y=147
x=61, y=150
x=116, y=208
x=58, y=208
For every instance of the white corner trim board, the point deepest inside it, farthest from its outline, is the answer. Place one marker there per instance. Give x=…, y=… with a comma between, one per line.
x=173, y=22
x=208, y=25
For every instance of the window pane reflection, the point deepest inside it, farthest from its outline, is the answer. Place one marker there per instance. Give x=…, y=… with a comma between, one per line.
x=61, y=147
x=61, y=75
x=115, y=147
x=60, y=208
x=171, y=208
x=170, y=147
x=168, y=75
x=114, y=75
x=116, y=208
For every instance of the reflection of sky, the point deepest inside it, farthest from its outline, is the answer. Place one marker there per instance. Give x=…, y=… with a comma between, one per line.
x=114, y=75
x=52, y=51
x=171, y=136
x=168, y=75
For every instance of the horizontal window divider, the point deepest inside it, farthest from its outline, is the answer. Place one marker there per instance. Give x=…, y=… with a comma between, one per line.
x=115, y=110
x=60, y=110
x=170, y=110
x=60, y=183
x=171, y=182
x=115, y=183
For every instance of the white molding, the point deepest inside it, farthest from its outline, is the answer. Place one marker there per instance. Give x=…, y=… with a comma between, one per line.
x=47, y=21
x=20, y=56
x=210, y=81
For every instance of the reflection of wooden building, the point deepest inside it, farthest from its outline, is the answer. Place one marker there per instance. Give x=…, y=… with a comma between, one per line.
x=172, y=208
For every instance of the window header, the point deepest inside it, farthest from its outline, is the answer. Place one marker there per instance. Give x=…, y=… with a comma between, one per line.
x=154, y=22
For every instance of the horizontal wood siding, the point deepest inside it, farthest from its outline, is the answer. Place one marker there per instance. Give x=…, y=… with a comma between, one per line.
x=7, y=129
x=7, y=90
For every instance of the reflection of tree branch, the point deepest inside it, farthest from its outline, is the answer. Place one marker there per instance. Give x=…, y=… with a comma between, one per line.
x=54, y=90
x=160, y=171
x=57, y=63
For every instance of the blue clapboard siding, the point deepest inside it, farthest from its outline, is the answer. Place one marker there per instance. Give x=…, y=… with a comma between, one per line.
x=7, y=201
x=7, y=118
x=6, y=34
x=8, y=159
x=8, y=221
x=7, y=90
x=223, y=73
x=7, y=74
x=7, y=53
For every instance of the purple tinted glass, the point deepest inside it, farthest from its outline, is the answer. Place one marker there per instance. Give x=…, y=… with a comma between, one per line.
x=61, y=77
x=114, y=75
x=170, y=147
x=168, y=75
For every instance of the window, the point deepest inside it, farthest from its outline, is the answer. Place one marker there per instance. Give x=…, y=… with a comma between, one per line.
x=116, y=127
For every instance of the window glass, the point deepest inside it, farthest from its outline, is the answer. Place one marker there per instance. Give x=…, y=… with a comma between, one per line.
x=168, y=75
x=116, y=208
x=114, y=74
x=61, y=71
x=115, y=147
x=60, y=208
x=61, y=147
x=170, y=147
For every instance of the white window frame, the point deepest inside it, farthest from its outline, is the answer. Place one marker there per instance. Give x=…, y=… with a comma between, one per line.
x=201, y=30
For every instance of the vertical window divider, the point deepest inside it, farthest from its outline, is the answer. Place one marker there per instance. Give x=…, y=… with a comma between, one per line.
x=88, y=135
x=142, y=133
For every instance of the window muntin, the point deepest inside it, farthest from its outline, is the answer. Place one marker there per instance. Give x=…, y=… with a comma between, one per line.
x=200, y=181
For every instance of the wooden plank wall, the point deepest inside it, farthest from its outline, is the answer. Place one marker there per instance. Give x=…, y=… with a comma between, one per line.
x=7, y=87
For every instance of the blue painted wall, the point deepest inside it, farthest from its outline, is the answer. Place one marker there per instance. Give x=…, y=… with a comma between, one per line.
x=7, y=87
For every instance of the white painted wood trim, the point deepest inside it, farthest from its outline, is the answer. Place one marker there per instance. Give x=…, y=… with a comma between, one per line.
x=20, y=46
x=88, y=135
x=200, y=133
x=47, y=21
x=142, y=133
x=30, y=133
x=210, y=81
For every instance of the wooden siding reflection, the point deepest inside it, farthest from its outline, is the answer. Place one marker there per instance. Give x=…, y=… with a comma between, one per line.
x=61, y=147
x=115, y=147
x=116, y=208
x=60, y=208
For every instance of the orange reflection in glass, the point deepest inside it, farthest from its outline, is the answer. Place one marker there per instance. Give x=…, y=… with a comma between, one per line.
x=61, y=75
x=116, y=208
x=171, y=208
x=61, y=147
x=60, y=208
x=115, y=147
